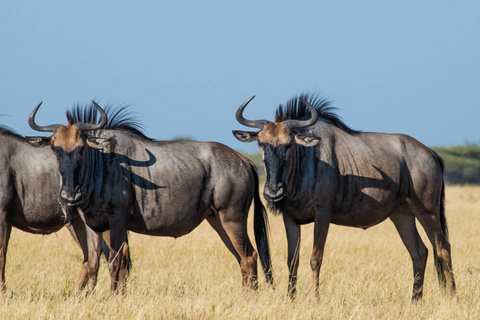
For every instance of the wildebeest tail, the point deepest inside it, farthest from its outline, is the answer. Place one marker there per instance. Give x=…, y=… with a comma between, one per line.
x=260, y=227
x=443, y=224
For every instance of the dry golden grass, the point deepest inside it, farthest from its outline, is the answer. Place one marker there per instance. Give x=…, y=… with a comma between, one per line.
x=365, y=275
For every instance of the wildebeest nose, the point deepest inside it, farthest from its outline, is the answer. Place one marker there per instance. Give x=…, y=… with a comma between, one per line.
x=274, y=192
x=65, y=195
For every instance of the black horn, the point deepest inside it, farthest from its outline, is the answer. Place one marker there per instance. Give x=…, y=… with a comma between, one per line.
x=292, y=124
x=100, y=125
x=34, y=126
x=249, y=123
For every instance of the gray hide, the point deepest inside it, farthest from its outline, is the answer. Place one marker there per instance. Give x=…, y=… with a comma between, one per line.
x=124, y=181
x=325, y=172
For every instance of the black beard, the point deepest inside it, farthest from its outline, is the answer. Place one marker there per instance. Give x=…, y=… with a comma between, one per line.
x=276, y=207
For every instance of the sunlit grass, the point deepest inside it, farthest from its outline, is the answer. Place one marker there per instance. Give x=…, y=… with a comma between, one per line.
x=367, y=274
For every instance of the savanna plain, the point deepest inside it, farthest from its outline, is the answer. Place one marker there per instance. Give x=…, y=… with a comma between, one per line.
x=366, y=274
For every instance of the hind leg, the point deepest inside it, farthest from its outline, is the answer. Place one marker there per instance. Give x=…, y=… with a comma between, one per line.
x=405, y=224
x=441, y=249
x=233, y=232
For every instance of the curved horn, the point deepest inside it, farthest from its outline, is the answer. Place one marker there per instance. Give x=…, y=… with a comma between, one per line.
x=292, y=124
x=34, y=126
x=249, y=123
x=100, y=125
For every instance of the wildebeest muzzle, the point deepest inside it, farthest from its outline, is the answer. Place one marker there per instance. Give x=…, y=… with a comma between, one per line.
x=274, y=193
x=70, y=198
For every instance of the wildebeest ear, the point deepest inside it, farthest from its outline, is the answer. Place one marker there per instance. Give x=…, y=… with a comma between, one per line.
x=245, y=136
x=307, y=141
x=38, y=141
x=98, y=143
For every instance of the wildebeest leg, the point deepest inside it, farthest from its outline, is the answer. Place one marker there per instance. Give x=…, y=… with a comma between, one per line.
x=441, y=250
x=126, y=264
x=217, y=225
x=234, y=234
x=95, y=243
x=106, y=238
x=80, y=238
x=293, y=240
x=405, y=224
x=5, y=231
x=117, y=261
x=320, y=231
x=91, y=244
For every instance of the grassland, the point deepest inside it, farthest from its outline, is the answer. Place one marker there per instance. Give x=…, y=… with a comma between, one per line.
x=367, y=274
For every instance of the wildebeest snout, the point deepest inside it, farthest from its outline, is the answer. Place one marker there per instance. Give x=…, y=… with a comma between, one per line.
x=274, y=192
x=70, y=198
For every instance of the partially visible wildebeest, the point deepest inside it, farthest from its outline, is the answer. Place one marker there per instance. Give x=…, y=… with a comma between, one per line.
x=319, y=170
x=122, y=180
x=29, y=186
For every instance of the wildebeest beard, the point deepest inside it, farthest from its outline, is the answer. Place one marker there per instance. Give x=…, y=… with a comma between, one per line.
x=276, y=207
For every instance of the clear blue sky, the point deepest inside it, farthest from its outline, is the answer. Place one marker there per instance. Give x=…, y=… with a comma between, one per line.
x=408, y=67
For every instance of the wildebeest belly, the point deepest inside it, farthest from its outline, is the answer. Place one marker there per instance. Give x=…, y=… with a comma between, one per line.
x=174, y=210
x=165, y=227
x=32, y=219
x=171, y=223
x=367, y=208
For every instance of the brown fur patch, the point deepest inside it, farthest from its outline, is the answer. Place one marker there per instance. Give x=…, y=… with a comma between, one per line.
x=67, y=137
x=275, y=133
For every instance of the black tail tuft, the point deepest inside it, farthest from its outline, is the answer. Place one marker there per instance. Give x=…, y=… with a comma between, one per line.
x=260, y=227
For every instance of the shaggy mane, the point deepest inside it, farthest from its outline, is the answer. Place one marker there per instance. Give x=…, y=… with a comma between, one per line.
x=119, y=118
x=297, y=110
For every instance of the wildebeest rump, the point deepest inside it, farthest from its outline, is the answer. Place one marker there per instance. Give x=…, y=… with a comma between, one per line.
x=319, y=170
x=29, y=184
x=122, y=180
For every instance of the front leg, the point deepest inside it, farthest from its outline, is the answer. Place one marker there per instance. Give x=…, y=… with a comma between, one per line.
x=293, y=239
x=320, y=231
x=5, y=231
x=117, y=260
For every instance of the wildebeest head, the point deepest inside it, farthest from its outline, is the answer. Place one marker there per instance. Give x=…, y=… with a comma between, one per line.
x=275, y=140
x=70, y=145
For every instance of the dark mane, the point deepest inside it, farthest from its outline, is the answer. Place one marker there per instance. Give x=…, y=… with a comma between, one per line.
x=297, y=110
x=119, y=118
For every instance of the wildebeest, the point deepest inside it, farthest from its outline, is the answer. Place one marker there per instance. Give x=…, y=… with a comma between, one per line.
x=121, y=180
x=320, y=170
x=29, y=187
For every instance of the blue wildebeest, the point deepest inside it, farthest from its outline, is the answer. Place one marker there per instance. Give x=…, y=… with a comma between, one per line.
x=122, y=180
x=319, y=170
x=29, y=186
